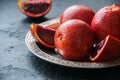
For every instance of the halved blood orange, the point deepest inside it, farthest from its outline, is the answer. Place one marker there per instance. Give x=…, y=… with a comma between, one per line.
x=34, y=8
x=107, y=50
x=43, y=35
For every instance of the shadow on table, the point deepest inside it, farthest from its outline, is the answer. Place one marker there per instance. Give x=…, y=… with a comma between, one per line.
x=56, y=72
x=35, y=20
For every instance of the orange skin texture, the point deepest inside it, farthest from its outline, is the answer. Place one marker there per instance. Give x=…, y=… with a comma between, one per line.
x=73, y=39
x=77, y=12
x=106, y=22
x=109, y=51
x=31, y=15
x=44, y=36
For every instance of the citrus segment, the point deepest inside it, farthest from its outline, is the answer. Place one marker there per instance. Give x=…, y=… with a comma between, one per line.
x=43, y=35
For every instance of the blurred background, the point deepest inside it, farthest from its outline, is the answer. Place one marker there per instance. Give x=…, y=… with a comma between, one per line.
x=18, y=63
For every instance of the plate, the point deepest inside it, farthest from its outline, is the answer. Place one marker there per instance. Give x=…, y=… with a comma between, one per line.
x=50, y=55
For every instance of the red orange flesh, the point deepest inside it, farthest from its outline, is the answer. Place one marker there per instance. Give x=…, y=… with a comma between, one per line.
x=34, y=8
x=108, y=50
x=45, y=36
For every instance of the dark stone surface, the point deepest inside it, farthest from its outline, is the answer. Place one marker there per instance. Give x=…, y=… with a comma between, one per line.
x=18, y=63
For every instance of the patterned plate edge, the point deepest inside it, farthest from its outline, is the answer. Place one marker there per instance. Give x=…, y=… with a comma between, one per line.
x=32, y=46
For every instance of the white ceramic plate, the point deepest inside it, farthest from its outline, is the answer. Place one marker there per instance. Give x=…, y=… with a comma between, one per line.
x=50, y=55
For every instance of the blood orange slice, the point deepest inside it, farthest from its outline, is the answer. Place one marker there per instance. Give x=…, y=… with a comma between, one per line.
x=43, y=35
x=107, y=50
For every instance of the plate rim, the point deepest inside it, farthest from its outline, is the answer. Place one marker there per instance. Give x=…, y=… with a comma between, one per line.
x=74, y=64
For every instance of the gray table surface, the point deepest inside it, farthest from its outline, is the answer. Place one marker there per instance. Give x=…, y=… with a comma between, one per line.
x=18, y=63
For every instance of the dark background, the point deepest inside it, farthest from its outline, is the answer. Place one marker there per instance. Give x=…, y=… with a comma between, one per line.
x=18, y=63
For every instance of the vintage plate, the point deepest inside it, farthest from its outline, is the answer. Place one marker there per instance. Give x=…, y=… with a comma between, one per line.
x=50, y=55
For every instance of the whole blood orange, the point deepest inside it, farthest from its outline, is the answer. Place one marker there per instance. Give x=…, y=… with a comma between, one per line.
x=77, y=12
x=34, y=8
x=74, y=39
x=107, y=22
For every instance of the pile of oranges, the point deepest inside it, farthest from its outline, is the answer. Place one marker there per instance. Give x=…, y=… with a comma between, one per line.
x=83, y=33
